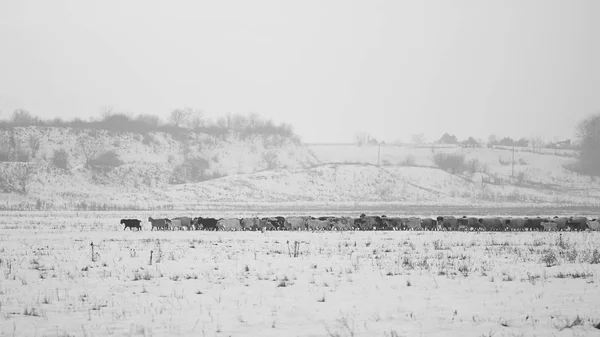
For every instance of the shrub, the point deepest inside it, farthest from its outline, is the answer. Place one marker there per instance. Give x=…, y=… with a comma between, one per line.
x=60, y=159
x=106, y=160
x=549, y=258
x=270, y=157
x=191, y=170
x=450, y=162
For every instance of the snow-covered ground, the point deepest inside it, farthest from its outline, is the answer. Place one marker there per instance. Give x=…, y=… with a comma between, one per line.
x=250, y=284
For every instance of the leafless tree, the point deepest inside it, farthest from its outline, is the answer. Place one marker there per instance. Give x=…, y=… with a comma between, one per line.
x=89, y=148
x=24, y=176
x=34, y=145
x=492, y=139
x=17, y=180
x=195, y=119
x=179, y=117
x=22, y=117
x=536, y=143
x=106, y=111
x=272, y=160
x=254, y=120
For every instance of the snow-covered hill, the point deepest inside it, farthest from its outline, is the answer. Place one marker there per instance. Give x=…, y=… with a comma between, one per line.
x=149, y=163
x=265, y=171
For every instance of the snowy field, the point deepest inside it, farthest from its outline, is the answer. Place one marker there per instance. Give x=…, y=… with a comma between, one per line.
x=251, y=284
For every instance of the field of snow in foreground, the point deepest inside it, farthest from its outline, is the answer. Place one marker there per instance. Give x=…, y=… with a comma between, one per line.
x=339, y=284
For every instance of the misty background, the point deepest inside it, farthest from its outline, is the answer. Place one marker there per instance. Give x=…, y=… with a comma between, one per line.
x=329, y=68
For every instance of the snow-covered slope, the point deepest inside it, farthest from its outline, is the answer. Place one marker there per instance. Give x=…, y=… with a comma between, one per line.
x=350, y=183
x=265, y=171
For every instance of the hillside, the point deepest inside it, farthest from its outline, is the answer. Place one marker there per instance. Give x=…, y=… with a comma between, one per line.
x=150, y=163
x=408, y=176
x=264, y=171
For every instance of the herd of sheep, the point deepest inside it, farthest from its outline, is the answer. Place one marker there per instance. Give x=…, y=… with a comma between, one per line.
x=364, y=222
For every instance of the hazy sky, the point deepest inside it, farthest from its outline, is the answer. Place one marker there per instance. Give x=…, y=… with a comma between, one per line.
x=330, y=68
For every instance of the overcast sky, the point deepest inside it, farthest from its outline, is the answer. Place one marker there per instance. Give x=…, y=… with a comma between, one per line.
x=330, y=68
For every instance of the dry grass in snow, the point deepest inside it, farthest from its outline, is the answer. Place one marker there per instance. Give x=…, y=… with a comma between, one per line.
x=340, y=284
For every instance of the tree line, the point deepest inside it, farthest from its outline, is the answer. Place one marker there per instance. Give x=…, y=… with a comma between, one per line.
x=493, y=140
x=180, y=122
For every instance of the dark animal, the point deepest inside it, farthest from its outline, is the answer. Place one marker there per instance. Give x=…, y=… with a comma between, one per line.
x=208, y=224
x=491, y=224
x=131, y=224
x=447, y=222
x=392, y=223
x=577, y=223
x=515, y=224
x=534, y=224
x=369, y=222
x=473, y=223
x=463, y=224
x=428, y=224
x=561, y=223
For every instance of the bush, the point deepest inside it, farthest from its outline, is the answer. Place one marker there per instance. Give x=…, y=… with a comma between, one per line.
x=450, y=162
x=106, y=160
x=549, y=258
x=270, y=157
x=191, y=170
x=60, y=159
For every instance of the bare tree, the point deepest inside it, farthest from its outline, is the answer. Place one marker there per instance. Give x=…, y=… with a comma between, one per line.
x=24, y=176
x=179, y=117
x=195, y=119
x=89, y=148
x=17, y=180
x=271, y=158
x=34, y=145
x=22, y=117
x=254, y=120
x=492, y=139
x=106, y=112
x=536, y=143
